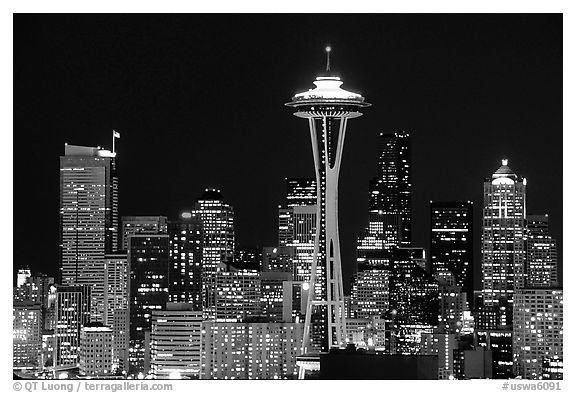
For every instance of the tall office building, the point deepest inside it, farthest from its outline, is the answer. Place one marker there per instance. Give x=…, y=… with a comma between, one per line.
x=503, y=250
x=117, y=302
x=185, y=274
x=175, y=342
x=327, y=109
x=250, y=350
x=390, y=202
x=88, y=218
x=218, y=225
x=413, y=291
x=297, y=224
x=451, y=239
x=22, y=277
x=499, y=343
x=143, y=225
x=149, y=258
x=96, y=351
x=538, y=330
x=443, y=345
x=72, y=312
x=541, y=259
x=453, y=311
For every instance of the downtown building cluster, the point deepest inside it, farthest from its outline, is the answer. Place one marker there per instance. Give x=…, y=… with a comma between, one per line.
x=157, y=297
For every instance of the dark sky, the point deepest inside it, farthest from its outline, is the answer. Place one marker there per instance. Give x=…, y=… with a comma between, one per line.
x=199, y=101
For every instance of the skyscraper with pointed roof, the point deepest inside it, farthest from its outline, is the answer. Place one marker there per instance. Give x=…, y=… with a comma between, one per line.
x=503, y=245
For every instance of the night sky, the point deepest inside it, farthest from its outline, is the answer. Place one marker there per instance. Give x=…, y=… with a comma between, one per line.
x=199, y=101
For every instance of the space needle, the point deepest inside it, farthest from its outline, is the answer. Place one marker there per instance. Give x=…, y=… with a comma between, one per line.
x=327, y=108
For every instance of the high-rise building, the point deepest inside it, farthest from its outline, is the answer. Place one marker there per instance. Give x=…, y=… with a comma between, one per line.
x=149, y=258
x=503, y=250
x=541, y=262
x=297, y=224
x=185, y=275
x=237, y=295
x=451, y=239
x=250, y=350
x=143, y=225
x=175, y=342
x=218, y=225
x=72, y=312
x=413, y=291
x=96, y=351
x=88, y=218
x=452, y=305
x=26, y=334
x=294, y=300
x=390, y=203
x=538, y=330
x=327, y=108
x=22, y=277
x=117, y=302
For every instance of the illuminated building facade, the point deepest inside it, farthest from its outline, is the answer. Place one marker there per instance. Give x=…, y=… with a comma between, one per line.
x=143, y=225
x=72, y=313
x=442, y=345
x=503, y=250
x=149, y=257
x=327, y=108
x=175, y=342
x=451, y=236
x=218, y=248
x=272, y=294
x=117, y=302
x=250, y=350
x=370, y=293
x=237, y=295
x=294, y=300
x=96, y=351
x=538, y=330
x=453, y=312
x=26, y=334
x=499, y=343
x=88, y=218
x=413, y=291
x=390, y=203
x=278, y=259
x=185, y=274
x=541, y=260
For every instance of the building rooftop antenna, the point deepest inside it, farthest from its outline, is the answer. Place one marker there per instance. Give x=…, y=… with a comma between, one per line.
x=328, y=49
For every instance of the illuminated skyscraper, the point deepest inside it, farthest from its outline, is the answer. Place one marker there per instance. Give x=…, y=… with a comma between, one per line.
x=149, y=280
x=390, y=203
x=541, y=262
x=327, y=109
x=297, y=224
x=218, y=225
x=451, y=242
x=72, y=313
x=185, y=283
x=88, y=218
x=237, y=295
x=503, y=250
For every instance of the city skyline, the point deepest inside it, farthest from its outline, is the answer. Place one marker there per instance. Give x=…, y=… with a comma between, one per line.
x=181, y=293
x=407, y=64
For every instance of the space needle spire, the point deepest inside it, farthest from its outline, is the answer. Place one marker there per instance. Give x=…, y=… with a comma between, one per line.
x=327, y=108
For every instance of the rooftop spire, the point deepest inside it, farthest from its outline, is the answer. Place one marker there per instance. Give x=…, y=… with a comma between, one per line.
x=328, y=49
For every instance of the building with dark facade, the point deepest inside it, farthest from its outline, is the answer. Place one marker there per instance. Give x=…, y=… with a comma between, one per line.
x=451, y=241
